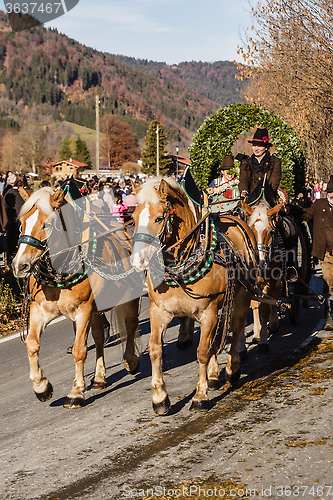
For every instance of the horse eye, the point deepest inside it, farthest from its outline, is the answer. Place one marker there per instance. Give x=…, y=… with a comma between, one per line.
x=158, y=220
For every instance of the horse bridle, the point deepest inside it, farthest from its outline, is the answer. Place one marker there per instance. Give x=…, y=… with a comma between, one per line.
x=33, y=242
x=269, y=249
x=157, y=240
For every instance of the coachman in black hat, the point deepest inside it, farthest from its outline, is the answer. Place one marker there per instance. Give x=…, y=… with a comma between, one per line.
x=254, y=168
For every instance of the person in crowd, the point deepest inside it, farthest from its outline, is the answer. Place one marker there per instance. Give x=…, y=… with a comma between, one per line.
x=2, y=183
x=3, y=233
x=316, y=189
x=98, y=205
x=225, y=187
x=321, y=214
x=131, y=203
x=45, y=183
x=13, y=204
x=7, y=184
x=119, y=208
x=108, y=196
x=253, y=169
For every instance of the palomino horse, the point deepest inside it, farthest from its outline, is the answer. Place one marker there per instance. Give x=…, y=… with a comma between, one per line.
x=76, y=301
x=163, y=212
x=262, y=219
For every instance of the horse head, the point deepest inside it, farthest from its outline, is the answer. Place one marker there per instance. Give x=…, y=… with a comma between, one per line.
x=163, y=215
x=38, y=207
x=261, y=218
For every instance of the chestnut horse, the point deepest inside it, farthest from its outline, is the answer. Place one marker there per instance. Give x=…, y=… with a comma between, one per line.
x=164, y=213
x=76, y=301
x=262, y=219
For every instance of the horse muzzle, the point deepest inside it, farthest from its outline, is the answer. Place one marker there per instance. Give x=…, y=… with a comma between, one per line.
x=139, y=261
x=21, y=269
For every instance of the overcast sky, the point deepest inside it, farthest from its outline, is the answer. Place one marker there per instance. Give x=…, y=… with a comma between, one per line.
x=169, y=31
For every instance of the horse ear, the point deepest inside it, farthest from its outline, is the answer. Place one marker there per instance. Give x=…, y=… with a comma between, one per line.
x=247, y=209
x=163, y=189
x=25, y=194
x=57, y=198
x=274, y=210
x=136, y=188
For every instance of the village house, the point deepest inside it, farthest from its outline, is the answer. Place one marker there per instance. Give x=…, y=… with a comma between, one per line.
x=65, y=168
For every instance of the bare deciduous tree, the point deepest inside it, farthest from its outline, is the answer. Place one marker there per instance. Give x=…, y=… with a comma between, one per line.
x=119, y=144
x=289, y=56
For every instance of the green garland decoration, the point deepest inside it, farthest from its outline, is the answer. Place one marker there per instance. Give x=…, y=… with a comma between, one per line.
x=218, y=133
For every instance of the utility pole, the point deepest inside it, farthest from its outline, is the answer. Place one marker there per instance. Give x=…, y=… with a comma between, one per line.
x=177, y=150
x=158, y=153
x=97, y=136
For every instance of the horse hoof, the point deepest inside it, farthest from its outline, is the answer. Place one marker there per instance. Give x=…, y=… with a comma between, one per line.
x=213, y=384
x=74, y=403
x=98, y=385
x=233, y=378
x=132, y=371
x=263, y=348
x=162, y=408
x=243, y=355
x=200, y=404
x=135, y=370
x=46, y=395
x=183, y=345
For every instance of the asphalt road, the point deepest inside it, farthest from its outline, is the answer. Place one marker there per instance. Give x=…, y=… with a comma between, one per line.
x=270, y=437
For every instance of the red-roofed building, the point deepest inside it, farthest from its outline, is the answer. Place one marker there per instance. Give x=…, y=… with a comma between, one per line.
x=65, y=168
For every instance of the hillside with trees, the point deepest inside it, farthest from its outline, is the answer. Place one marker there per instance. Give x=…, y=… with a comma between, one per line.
x=48, y=78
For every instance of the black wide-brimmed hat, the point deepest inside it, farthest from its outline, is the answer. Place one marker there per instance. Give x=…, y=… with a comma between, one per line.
x=329, y=188
x=227, y=162
x=261, y=138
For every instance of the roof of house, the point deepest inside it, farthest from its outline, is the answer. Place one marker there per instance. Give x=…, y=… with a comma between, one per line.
x=75, y=163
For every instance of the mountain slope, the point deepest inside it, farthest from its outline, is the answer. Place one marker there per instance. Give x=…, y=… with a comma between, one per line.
x=42, y=66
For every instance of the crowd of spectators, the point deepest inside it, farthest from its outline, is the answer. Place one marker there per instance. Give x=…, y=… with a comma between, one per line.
x=108, y=196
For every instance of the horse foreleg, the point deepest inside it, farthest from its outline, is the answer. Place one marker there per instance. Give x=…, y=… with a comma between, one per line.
x=75, y=398
x=186, y=332
x=158, y=324
x=213, y=373
x=240, y=309
x=256, y=319
x=274, y=322
x=263, y=337
x=242, y=345
x=97, y=330
x=131, y=360
x=269, y=313
x=206, y=349
x=41, y=385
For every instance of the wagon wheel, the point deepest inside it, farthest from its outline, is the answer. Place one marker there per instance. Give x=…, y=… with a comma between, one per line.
x=302, y=264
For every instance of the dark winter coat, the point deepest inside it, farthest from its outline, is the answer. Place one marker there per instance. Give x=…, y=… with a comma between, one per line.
x=322, y=216
x=251, y=172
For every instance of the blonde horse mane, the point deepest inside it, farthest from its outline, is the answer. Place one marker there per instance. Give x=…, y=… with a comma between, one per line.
x=40, y=198
x=260, y=212
x=149, y=191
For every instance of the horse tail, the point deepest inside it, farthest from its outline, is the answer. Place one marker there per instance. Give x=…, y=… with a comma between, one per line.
x=118, y=325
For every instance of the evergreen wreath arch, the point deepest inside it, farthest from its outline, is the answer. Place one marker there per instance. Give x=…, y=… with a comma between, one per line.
x=216, y=136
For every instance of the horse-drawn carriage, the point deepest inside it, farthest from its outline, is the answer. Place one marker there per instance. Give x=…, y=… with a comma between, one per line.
x=197, y=265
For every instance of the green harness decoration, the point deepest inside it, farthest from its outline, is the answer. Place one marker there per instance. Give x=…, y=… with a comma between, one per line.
x=191, y=270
